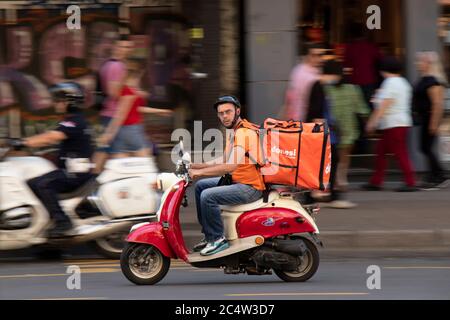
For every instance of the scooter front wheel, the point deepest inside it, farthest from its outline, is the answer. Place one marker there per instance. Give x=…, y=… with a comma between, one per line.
x=143, y=264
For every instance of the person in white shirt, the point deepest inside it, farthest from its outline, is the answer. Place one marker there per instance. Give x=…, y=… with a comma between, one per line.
x=393, y=117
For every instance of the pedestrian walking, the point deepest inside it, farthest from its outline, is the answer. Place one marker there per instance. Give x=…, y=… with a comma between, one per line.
x=362, y=58
x=125, y=133
x=302, y=79
x=346, y=103
x=112, y=75
x=343, y=103
x=393, y=117
x=428, y=106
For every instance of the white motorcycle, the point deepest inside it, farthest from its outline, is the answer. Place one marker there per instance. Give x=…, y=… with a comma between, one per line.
x=102, y=210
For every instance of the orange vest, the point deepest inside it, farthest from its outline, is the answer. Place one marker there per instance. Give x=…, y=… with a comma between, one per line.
x=246, y=136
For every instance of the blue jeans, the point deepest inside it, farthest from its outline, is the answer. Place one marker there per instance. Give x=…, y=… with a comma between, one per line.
x=208, y=198
x=130, y=138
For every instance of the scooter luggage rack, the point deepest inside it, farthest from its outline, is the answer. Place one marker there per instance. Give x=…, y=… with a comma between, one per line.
x=286, y=191
x=289, y=191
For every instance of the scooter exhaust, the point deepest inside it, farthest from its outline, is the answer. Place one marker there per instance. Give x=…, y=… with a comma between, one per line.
x=294, y=247
x=280, y=254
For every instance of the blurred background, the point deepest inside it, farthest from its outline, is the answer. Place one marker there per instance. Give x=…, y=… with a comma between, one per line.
x=197, y=50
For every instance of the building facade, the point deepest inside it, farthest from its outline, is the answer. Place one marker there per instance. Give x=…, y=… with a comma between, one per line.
x=275, y=34
x=242, y=47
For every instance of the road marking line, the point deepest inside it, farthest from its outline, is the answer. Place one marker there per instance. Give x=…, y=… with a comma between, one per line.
x=81, y=298
x=96, y=265
x=90, y=264
x=99, y=270
x=90, y=261
x=107, y=262
x=417, y=267
x=86, y=270
x=33, y=275
x=298, y=294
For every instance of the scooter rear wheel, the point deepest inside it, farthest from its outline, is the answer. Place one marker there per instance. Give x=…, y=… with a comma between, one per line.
x=143, y=264
x=307, y=264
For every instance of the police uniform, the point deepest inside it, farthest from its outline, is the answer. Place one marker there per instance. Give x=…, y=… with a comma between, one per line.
x=77, y=145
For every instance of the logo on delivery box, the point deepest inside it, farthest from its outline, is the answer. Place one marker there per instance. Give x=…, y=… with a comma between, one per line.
x=288, y=153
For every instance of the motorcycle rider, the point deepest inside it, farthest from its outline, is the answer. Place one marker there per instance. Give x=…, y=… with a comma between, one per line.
x=73, y=136
x=246, y=183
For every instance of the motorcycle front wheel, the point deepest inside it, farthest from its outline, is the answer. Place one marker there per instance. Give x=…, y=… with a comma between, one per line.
x=143, y=264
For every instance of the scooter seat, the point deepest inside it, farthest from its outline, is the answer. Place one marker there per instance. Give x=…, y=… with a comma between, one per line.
x=85, y=189
x=273, y=195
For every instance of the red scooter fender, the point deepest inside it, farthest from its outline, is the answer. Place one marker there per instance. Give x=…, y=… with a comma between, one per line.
x=152, y=234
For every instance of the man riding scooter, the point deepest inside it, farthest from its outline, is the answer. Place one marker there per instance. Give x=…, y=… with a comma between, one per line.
x=73, y=136
x=241, y=182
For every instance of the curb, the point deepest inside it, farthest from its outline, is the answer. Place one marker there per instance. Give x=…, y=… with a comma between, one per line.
x=373, y=240
x=386, y=239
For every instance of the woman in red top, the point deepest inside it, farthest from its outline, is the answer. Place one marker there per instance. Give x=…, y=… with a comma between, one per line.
x=125, y=132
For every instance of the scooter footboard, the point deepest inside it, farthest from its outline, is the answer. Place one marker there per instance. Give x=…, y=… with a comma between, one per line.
x=152, y=234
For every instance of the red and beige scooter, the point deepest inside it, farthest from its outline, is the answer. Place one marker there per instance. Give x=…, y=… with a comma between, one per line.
x=269, y=234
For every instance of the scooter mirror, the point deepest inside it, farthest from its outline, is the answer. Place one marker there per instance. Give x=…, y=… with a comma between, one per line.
x=186, y=157
x=181, y=147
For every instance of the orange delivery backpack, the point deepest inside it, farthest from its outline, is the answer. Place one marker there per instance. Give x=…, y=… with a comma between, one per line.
x=296, y=154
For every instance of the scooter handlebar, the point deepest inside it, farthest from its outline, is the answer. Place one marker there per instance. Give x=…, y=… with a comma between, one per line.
x=16, y=144
x=182, y=170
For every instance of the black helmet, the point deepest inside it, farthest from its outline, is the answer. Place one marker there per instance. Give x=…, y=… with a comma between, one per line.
x=227, y=99
x=71, y=92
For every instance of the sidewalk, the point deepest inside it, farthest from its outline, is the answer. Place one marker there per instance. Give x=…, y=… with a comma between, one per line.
x=385, y=223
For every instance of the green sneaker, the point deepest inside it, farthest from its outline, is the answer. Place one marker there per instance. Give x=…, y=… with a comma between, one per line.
x=215, y=247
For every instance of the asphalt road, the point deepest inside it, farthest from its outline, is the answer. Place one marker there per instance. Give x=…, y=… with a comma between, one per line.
x=335, y=280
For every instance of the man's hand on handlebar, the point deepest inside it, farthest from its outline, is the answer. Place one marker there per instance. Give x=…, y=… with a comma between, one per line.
x=16, y=144
x=194, y=173
x=196, y=166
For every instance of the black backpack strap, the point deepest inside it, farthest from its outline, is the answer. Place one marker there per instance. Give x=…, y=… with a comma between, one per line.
x=266, y=193
x=255, y=162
